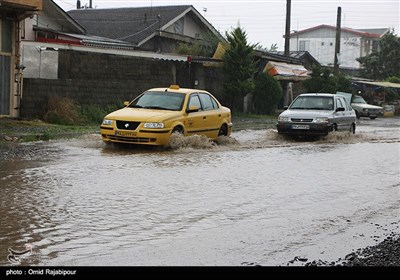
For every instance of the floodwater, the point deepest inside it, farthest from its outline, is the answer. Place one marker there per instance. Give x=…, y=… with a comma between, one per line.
x=253, y=199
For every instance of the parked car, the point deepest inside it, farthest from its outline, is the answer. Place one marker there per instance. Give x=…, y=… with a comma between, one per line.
x=316, y=114
x=153, y=116
x=363, y=109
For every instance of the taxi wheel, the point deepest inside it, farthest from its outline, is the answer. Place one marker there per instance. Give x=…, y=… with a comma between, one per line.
x=178, y=129
x=223, y=131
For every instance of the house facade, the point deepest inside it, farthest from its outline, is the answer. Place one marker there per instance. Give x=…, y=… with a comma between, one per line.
x=319, y=41
x=12, y=15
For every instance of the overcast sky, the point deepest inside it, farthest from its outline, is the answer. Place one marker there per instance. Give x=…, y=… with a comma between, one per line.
x=264, y=20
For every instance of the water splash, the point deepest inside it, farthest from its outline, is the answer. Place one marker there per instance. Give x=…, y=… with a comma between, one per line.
x=178, y=141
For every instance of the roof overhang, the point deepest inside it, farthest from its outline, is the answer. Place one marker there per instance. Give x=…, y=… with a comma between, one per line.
x=131, y=53
x=20, y=8
x=286, y=71
x=380, y=84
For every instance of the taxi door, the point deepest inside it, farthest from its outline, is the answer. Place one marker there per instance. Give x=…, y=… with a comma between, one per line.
x=196, y=121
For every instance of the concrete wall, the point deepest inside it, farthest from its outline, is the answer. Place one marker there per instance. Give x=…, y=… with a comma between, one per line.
x=104, y=79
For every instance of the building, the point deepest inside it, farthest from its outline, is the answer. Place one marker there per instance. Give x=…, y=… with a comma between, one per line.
x=319, y=41
x=12, y=15
x=158, y=29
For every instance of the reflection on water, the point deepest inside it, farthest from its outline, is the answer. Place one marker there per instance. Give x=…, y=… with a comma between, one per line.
x=255, y=197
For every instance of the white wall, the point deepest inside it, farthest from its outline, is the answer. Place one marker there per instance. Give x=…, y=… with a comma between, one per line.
x=321, y=45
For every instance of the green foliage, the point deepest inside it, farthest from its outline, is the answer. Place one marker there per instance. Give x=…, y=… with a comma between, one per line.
x=322, y=80
x=196, y=49
x=385, y=62
x=273, y=48
x=94, y=114
x=205, y=48
x=392, y=94
x=267, y=94
x=239, y=69
x=393, y=79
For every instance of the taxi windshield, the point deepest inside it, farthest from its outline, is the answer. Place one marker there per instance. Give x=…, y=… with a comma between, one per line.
x=159, y=100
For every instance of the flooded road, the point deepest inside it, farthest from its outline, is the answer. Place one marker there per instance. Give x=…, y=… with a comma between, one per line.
x=254, y=198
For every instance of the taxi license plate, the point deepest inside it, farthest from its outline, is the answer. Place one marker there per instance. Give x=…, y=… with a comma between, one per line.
x=125, y=133
x=300, y=126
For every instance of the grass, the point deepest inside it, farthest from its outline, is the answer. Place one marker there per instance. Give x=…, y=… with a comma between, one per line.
x=34, y=130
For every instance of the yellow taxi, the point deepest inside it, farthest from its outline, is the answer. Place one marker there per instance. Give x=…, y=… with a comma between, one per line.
x=154, y=115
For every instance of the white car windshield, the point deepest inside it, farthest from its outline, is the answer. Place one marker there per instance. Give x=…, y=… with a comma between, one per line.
x=312, y=103
x=359, y=99
x=159, y=100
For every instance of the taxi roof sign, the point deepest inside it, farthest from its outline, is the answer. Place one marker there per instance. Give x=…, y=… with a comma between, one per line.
x=174, y=87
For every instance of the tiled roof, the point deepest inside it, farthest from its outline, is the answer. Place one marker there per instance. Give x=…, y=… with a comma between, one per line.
x=127, y=24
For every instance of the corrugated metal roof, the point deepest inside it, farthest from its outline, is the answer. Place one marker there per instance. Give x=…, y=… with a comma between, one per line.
x=133, y=53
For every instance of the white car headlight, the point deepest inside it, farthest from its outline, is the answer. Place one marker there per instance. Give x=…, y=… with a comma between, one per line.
x=153, y=125
x=321, y=120
x=283, y=119
x=107, y=122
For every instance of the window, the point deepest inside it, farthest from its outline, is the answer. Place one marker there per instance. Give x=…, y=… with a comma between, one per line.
x=375, y=46
x=339, y=103
x=304, y=45
x=178, y=26
x=206, y=101
x=194, y=101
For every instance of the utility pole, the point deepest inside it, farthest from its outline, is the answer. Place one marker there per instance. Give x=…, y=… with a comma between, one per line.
x=286, y=98
x=337, y=43
x=287, y=30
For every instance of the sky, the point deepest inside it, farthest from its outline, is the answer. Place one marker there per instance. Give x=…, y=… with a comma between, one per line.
x=264, y=20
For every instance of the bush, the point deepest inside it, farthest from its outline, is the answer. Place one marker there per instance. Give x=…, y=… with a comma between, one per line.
x=62, y=110
x=94, y=114
x=267, y=94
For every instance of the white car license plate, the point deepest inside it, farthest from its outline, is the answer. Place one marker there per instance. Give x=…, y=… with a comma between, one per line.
x=125, y=134
x=300, y=126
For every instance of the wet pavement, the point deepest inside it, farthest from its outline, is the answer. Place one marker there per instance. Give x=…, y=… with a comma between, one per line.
x=255, y=198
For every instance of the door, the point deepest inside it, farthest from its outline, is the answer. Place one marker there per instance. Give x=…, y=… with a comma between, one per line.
x=5, y=64
x=212, y=115
x=196, y=121
x=341, y=118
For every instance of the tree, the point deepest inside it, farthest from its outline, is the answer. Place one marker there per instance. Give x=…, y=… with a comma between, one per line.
x=205, y=47
x=273, y=48
x=385, y=62
x=239, y=69
x=267, y=93
x=322, y=80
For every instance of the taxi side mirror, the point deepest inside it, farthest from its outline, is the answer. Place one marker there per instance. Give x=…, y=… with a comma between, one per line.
x=126, y=103
x=192, y=109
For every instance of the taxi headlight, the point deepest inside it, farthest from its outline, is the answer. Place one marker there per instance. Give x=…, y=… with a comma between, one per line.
x=283, y=119
x=321, y=120
x=153, y=125
x=107, y=122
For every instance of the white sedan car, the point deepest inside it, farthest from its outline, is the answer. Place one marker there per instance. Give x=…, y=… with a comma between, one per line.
x=317, y=114
x=363, y=109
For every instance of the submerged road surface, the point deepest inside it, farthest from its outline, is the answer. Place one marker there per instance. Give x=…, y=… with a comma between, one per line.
x=253, y=199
